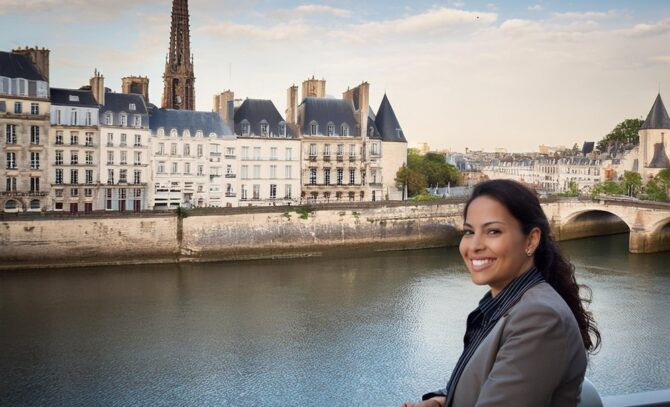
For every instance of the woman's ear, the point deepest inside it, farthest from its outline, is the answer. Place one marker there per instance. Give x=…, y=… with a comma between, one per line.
x=533, y=239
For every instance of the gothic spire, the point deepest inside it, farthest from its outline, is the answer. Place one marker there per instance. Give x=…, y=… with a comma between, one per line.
x=178, y=79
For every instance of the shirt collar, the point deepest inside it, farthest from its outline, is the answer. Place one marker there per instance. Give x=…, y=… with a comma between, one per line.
x=494, y=307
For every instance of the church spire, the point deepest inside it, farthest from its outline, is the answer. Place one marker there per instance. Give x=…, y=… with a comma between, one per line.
x=178, y=79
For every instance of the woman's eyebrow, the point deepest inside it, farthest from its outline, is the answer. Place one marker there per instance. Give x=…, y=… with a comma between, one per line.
x=466, y=224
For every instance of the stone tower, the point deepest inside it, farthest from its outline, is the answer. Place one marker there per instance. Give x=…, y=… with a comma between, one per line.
x=136, y=84
x=178, y=79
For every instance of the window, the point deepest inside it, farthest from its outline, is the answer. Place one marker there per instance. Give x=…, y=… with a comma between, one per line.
x=34, y=109
x=313, y=129
x=287, y=191
x=124, y=120
x=138, y=120
x=173, y=149
x=187, y=150
x=89, y=139
x=287, y=172
x=74, y=157
x=244, y=172
x=110, y=139
x=35, y=161
x=326, y=176
x=161, y=168
x=58, y=117
x=282, y=129
x=59, y=137
x=243, y=192
x=110, y=176
x=273, y=153
x=88, y=177
x=352, y=176
x=230, y=151
x=59, y=157
x=108, y=202
x=124, y=140
x=124, y=158
x=89, y=157
x=11, y=160
x=326, y=150
x=74, y=192
x=245, y=128
x=312, y=176
x=110, y=158
x=256, y=191
x=18, y=107
x=200, y=154
x=59, y=176
x=174, y=168
x=187, y=168
x=138, y=140
x=161, y=149
x=11, y=133
x=288, y=153
x=312, y=150
x=344, y=130
x=257, y=153
x=74, y=177
x=201, y=170
x=123, y=175
x=245, y=152
x=264, y=129
x=74, y=138
x=273, y=191
x=108, y=118
x=89, y=119
x=331, y=129
x=88, y=192
x=11, y=184
x=340, y=150
x=352, y=150
x=340, y=176
x=73, y=118
x=273, y=171
x=137, y=177
x=257, y=171
x=138, y=158
x=375, y=149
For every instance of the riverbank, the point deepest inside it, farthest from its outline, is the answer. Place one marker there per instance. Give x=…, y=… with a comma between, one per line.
x=225, y=234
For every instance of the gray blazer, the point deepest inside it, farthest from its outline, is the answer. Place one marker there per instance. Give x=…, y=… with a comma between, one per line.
x=534, y=356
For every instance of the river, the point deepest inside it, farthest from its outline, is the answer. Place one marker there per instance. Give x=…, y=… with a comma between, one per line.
x=372, y=329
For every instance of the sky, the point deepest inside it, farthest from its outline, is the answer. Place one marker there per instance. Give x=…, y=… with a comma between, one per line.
x=459, y=73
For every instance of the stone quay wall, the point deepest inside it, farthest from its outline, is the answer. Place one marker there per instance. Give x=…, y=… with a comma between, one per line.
x=225, y=234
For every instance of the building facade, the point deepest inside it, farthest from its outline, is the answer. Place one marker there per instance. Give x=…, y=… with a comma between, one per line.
x=24, y=129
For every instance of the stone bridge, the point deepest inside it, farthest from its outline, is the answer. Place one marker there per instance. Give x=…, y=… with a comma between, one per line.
x=648, y=223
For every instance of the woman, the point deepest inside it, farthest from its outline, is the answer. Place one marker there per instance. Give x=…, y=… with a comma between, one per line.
x=526, y=343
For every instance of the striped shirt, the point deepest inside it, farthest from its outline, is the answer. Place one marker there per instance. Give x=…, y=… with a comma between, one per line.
x=483, y=319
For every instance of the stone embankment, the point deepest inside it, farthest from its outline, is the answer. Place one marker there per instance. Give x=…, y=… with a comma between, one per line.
x=225, y=234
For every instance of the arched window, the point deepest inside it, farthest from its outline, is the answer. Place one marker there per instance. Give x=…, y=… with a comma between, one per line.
x=124, y=119
x=265, y=128
x=245, y=128
x=331, y=129
x=161, y=132
x=11, y=205
x=108, y=118
x=344, y=129
x=187, y=133
x=313, y=128
x=35, y=204
x=212, y=135
x=282, y=129
x=174, y=133
x=198, y=133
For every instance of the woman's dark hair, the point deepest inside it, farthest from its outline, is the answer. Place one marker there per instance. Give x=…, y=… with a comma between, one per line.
x=524, y=205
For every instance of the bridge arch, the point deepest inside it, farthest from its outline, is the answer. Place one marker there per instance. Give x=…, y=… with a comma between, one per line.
x=587, y=222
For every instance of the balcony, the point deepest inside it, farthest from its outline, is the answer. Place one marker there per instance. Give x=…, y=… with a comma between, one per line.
x=376, y=184
x=352, y=158
x=231, y=175
x=312, y=157
x=326, y=158
x=340, y=158
x=230, y=156
x=215, y=153
x=231, y=194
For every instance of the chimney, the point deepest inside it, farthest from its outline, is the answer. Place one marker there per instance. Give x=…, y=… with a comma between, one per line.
x=136, y=84
x=314, y=88
x=98, y=87
x=360, y=96
x=224, y=105
x=292, y=104
x=40, y=58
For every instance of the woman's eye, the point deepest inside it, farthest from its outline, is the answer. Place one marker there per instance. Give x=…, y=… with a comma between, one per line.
x=493, y=232
x=467, y=232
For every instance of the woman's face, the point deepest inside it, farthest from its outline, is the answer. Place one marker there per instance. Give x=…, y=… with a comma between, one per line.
x=493, y=245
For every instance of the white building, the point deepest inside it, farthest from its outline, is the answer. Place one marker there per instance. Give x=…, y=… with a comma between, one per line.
x=193, y=160
x=269, y=165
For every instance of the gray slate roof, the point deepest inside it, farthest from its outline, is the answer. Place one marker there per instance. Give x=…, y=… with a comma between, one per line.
x=588, y=146
x=325, y=110
x=372, y=125
x=120, y=102
x=208, y=122
x=62, y=97
x=657, y=117
x=255, y=111
x=19, y=66
x=660, y=159
x=387, y=122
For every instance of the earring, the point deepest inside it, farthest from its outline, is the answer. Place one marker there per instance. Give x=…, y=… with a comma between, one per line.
x=529, y=253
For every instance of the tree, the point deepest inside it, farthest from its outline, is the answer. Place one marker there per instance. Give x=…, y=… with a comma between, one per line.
x=632, y=182
x=410, y=180
x=624, y=133
x=608, y=188
x=426, y=170
x=655, y=190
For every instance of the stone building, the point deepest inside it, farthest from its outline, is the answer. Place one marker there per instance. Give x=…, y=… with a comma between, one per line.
x=190, y=152
x=394, y=150
x=179, y=77
x=653, y=150
x=74, y=151
x=269, y=164
x=24, y=129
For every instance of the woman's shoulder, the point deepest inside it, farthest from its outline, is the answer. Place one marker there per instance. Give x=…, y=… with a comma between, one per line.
x=543, y=301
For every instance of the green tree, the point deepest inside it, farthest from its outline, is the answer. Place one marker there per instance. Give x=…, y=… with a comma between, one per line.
x=632, y=183
x=655, y=190
x=426, y=170
x=410, y=180
x=624, y=132
x=572, y=189
x=608, y=188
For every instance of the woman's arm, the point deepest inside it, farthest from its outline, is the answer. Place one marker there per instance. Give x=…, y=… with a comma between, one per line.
x=431, y=402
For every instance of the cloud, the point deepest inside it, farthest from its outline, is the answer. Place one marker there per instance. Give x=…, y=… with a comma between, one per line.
x=320, y=9
x=642, y=30
x=536, y=7
x=279, y=32
x=73, y=10
x=587, y=15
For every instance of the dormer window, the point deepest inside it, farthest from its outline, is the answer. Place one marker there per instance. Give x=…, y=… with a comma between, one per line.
x=138, y=120
x=124, y=120
x=313, y=128
x=344, y=129
x=265, y=129
x=187, y=133
x=331, y=129
x=73, y=98
x=161, y=131
x=173, y=133
x=371, y=132
x=132, y=107
x=198, y=133
x=108, y=118
x=282, y=129
x=245, y=128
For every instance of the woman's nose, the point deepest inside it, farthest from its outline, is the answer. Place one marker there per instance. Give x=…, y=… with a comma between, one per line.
x=477, y=243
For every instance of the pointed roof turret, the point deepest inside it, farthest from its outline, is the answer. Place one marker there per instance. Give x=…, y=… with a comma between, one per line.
x=657, y=117
x=388, y=124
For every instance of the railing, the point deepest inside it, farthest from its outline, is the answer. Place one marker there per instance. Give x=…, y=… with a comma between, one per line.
x=231, y=175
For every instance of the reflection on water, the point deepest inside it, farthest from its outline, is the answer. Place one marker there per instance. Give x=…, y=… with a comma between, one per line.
x=358, y=330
